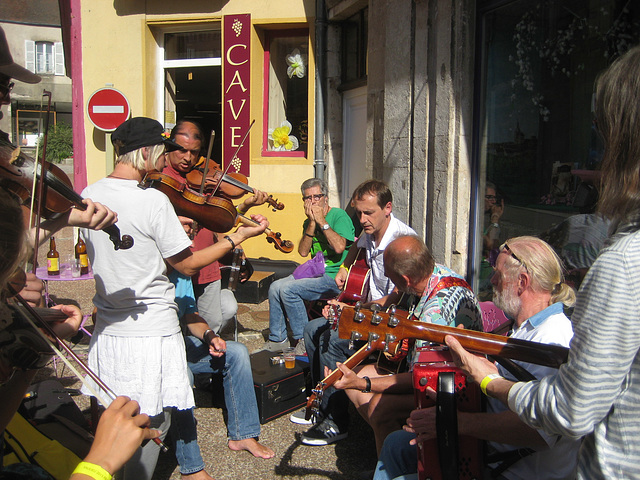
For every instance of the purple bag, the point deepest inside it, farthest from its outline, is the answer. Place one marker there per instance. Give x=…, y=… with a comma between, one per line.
x=311, y=268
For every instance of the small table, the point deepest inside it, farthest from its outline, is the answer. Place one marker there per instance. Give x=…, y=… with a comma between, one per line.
x=65, y=276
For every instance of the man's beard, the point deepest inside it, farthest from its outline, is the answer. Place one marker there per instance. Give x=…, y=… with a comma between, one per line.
x=508, y=301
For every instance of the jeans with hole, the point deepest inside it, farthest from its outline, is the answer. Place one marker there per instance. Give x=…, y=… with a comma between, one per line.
x=237, y=379
x=286, y=301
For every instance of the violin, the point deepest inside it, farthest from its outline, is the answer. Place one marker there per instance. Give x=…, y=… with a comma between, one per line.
x=285, y=246
x=213, y=213
x=16, y=176
x=28, y=353
x=229, y=185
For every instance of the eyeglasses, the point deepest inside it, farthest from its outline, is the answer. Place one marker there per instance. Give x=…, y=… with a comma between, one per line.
x=491, y=197
x=505, y=248
x=6, y=88
x=315, y=197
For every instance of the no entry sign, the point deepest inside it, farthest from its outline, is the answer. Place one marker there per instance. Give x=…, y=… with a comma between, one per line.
x=107, y=108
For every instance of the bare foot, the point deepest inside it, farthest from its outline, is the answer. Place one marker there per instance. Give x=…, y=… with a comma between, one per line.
x=252, y=446
x=201, y=475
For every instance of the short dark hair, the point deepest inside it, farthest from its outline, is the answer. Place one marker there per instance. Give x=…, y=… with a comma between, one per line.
x=179, y=127
x=378, y=189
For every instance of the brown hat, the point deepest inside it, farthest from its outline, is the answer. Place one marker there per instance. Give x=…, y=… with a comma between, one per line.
x=140, y=132
x=11, y=69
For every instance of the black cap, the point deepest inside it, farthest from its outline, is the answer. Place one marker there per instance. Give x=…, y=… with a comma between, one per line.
x=140, y=132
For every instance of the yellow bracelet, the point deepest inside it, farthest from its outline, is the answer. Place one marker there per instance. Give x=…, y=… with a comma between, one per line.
x=486, y=381
x=92, y=470
x=241, y=212
x=342, y=266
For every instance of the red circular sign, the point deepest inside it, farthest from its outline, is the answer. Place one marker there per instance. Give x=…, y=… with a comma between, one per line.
x=107, y=108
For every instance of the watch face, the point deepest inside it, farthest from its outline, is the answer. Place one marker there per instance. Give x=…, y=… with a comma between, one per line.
x=325, y=226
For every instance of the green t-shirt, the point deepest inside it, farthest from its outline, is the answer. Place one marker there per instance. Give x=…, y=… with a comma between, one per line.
x=340, y=223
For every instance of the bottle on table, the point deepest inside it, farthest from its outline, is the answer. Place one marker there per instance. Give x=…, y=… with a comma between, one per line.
x=53, y=259
x=81, y=255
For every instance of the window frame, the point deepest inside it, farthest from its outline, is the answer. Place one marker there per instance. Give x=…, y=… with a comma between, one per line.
x=269, y=36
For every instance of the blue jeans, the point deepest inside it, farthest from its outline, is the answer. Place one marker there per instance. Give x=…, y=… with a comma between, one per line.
x=397, y=458
x=183, y=431
x=324, y=349
x=286, y=300
x=237, y=380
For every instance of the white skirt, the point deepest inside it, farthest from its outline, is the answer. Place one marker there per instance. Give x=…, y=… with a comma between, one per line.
x=150, y=370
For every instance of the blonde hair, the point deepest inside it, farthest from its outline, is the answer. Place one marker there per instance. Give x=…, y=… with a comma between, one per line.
x=136, y=158
x=543, y=265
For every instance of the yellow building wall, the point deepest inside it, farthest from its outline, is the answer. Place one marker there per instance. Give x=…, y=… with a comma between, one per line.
x=119, y=49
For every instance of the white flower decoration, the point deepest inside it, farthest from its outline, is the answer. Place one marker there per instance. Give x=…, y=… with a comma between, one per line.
x=297, y=64
x=280, y=140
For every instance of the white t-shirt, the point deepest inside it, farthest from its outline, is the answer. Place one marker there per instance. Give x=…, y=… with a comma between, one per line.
x=133, y=294
x=549, y=326
x=379, y=284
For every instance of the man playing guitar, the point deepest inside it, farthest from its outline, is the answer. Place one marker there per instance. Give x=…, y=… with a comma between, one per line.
x=372, y=201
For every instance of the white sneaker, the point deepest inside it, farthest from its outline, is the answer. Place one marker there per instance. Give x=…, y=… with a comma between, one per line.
x=298, y=418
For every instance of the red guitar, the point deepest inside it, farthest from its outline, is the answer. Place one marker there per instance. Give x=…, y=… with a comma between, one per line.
x=356, y=286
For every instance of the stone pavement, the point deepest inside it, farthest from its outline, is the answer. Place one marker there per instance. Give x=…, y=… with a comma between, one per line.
x=344, y=460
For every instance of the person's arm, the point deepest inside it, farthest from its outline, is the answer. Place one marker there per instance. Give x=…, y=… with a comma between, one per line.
x=309, y=231
x=504, y=427
x=396, y=383
x=121, y=430
x=199, y=328
x=189, y=263
x=257, y=198
x=96, y=217
x=336, y=241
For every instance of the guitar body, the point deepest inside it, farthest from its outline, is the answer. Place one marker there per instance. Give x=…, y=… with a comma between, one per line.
x=356, y=286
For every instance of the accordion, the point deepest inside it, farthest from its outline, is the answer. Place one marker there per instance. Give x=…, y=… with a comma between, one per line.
x=449, y=456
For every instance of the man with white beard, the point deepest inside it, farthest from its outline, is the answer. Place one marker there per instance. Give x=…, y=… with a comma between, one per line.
x=529, y=287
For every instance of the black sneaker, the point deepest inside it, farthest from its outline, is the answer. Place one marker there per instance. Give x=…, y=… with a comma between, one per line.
x=323, y=433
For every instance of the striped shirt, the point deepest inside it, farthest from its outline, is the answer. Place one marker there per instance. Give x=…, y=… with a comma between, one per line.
x=596, y=394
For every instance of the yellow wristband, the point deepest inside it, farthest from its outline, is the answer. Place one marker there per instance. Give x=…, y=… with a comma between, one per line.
x=241, y=212
x=342, y=266
x=92, y=470
x=486, y=381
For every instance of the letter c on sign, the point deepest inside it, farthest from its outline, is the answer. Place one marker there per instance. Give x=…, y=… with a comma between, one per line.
x=229, y=54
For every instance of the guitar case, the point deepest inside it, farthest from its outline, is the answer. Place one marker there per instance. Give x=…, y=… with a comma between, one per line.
x=449, y=457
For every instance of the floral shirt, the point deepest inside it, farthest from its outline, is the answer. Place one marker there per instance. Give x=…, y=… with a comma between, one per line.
x=450, y=306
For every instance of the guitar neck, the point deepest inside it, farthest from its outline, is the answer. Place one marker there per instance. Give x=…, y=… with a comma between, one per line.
x=478, y=342
x=351, y=362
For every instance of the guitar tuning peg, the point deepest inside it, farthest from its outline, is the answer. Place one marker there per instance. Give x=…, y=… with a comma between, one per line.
x=376, y=307
x=355, y=336
x=376, y=318
x=357, y=306
x=388, y=339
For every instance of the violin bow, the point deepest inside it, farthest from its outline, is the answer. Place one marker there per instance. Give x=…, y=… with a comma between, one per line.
x=194, y=224
x=235, y=155
x=206, y=162
x=40, y=182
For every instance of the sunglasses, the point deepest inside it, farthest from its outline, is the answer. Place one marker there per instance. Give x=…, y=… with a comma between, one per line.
x=493, y=257
x=315, y=197
x=6, y=88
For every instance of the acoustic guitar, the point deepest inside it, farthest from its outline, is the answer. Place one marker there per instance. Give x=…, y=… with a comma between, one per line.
x=386, y=330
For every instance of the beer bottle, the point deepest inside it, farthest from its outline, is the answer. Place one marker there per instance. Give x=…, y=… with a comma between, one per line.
x=53, y=259
x=81, y=255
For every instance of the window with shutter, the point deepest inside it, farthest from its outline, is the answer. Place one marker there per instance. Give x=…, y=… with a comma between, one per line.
x=58, y=53
x=30, y=55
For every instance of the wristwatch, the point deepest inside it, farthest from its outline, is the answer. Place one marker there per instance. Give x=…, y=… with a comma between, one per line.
x=325, y=226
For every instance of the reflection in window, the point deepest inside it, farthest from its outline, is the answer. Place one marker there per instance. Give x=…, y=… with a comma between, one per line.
x=538, y=145
x=287, y=93
x=44, y=58
x=189, y=45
